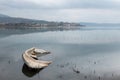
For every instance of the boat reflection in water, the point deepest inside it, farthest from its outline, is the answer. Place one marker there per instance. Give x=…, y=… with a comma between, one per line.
x=29, y=72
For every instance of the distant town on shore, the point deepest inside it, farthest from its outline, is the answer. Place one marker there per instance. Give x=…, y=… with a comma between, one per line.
x=7, y=22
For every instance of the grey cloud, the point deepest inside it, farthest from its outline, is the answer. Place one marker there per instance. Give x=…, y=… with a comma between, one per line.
x=26, y=5
x=17, y=4
x=63, y=10
x=101, y=4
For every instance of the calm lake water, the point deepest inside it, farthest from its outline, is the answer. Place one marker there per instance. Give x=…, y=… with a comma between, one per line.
x=85, y=54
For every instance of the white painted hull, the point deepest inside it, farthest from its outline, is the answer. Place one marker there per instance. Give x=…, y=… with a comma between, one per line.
x=29, y=59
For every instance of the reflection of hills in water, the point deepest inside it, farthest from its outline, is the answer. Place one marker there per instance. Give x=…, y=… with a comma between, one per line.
x=29, y=72
x=8, y=32
x=21, y=31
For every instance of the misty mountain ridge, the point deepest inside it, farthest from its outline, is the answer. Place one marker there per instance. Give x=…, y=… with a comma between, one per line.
x=8, y=19
x=7, y=22
x=4, y=16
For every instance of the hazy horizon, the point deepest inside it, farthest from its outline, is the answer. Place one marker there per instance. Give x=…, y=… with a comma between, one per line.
x=103, y=11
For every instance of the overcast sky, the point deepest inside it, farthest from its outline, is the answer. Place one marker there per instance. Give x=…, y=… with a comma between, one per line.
x=101, y=11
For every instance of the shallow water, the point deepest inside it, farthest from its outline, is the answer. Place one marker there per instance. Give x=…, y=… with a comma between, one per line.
x=79, y=54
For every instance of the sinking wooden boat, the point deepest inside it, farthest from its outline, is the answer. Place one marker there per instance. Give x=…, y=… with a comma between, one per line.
x=30, y=58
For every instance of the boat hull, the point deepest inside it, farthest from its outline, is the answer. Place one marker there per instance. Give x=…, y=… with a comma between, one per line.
x=31, y=59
